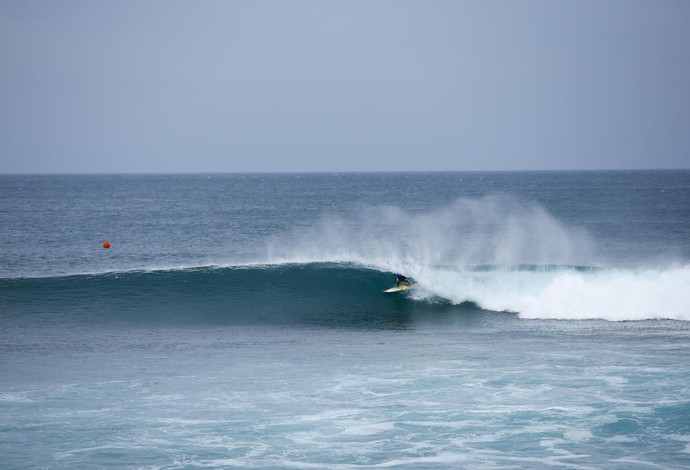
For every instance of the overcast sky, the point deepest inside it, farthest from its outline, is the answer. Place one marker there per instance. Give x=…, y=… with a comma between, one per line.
x=362, y=85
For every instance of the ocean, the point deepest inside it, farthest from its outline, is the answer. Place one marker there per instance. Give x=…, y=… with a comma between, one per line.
x=239, y=321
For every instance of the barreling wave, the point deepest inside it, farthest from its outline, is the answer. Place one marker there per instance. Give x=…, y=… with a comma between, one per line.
x=292, y=294
x=347, y=294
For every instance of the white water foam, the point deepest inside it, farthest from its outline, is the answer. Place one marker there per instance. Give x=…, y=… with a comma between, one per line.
x=567, y=293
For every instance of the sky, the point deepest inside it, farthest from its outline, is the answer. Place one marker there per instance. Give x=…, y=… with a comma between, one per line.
x=98, y=86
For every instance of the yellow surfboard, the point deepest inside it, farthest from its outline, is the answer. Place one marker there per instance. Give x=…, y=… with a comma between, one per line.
x=399, y=288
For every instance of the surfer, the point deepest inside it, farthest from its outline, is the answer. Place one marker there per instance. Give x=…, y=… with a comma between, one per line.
x=400, y=279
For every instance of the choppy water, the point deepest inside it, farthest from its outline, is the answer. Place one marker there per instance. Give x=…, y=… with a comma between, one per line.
x=239, y=321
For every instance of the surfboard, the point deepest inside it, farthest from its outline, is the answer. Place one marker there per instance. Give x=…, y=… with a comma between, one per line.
x=397, y=288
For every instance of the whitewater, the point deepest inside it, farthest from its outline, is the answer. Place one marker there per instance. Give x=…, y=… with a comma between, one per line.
x=239, y=321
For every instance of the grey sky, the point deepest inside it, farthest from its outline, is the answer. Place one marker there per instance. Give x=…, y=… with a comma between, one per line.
x=178, y=86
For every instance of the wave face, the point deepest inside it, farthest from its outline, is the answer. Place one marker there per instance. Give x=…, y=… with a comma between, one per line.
x=311, y=294
x=343, y=295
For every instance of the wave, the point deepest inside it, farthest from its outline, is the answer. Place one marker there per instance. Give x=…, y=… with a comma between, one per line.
x=340, y=294
x=294, y=294
x=495, y=253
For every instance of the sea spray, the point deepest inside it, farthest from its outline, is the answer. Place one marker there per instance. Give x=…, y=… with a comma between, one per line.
x=496, y=230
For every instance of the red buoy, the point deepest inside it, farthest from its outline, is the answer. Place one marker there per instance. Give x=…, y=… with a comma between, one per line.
x=106, y=245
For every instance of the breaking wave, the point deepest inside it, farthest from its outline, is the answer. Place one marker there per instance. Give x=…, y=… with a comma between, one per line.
x=498, y=252
x=495, y=254
x=348, y=294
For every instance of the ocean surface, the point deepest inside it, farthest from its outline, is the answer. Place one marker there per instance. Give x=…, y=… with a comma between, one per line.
x=238, y=321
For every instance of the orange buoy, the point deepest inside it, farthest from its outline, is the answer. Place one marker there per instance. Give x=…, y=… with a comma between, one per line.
x=106, y=245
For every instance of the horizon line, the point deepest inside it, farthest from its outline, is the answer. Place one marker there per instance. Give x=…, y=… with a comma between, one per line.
x=325, y=172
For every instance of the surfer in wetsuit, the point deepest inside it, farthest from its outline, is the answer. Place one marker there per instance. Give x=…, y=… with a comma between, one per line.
x=400, y=279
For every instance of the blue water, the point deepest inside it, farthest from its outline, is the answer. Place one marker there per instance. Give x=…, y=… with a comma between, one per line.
x=238, y=321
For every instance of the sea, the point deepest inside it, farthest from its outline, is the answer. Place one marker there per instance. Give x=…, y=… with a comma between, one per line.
x=239, y=320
